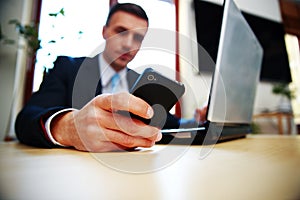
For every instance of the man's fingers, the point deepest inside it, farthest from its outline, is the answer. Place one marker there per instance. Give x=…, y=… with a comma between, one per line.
x=128, y=125
x=124, y=101
x=128, y=140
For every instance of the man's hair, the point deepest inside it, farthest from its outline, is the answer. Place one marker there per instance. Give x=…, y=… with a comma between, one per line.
x=129, y=8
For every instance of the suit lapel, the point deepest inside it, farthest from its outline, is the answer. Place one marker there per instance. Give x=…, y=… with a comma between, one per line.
x=131, y=77
x=86, y=82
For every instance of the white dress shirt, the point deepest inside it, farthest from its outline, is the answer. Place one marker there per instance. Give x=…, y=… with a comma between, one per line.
x=107, y=72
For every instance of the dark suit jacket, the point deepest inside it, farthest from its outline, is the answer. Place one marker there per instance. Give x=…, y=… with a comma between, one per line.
x=70, y=84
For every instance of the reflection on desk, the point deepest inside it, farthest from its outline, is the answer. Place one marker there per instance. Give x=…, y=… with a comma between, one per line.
x=258, y=167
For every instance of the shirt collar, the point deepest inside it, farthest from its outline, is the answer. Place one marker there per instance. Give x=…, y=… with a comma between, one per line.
x=106, y=72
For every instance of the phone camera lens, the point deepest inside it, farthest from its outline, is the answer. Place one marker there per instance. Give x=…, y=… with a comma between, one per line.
x=151, y=77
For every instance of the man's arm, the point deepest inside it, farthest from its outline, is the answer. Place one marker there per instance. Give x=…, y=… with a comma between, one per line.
x=55, y=93
x=29, y=126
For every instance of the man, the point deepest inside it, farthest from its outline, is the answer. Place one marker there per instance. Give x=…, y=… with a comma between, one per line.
x=65, y=110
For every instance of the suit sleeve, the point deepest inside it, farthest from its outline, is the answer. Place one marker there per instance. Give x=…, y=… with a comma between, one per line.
x=55, y=94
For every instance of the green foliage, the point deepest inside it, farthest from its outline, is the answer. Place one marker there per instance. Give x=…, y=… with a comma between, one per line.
x=61, y=12
x=283, y=89
x=255, y=128
x=30, y=34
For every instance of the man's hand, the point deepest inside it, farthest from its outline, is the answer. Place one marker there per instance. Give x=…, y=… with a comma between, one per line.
x=98, y=128
x=200, y=114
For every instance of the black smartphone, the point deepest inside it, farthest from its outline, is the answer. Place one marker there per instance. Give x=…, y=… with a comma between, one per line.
x=158, y=91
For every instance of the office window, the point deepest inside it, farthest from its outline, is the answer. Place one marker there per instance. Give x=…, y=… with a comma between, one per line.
x=74, y=28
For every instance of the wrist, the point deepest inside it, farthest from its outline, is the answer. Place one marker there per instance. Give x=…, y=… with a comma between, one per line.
x=61, y=127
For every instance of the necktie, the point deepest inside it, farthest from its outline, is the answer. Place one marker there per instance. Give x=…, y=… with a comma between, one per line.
x=115, y=80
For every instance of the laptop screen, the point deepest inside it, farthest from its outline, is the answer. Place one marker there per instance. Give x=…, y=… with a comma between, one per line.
x=237, y=70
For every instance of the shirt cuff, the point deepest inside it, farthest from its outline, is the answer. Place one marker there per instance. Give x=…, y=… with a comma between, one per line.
x=48, y=125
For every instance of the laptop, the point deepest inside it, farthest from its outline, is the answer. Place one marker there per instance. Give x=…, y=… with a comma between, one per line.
x=234, y=83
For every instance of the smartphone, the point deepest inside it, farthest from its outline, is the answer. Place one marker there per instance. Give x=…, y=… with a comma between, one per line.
x=158, y=91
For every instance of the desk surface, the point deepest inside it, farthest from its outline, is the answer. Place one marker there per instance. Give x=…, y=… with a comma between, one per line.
x=258, y=167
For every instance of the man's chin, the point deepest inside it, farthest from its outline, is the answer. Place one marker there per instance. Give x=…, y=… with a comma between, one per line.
x=119, y=65
x=122, y=62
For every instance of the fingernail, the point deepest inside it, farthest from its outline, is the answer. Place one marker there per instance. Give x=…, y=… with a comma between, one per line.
x=150, y=112
x=159, y=136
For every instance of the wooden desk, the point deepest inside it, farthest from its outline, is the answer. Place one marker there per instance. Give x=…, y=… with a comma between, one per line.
x=258, y=167
x=279, y=116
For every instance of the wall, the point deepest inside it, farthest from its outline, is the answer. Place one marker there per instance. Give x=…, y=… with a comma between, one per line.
x=200, y=83
x=11, y=56
x=9, y=9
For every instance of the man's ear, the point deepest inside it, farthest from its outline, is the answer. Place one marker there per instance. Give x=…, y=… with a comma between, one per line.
x=104, y=32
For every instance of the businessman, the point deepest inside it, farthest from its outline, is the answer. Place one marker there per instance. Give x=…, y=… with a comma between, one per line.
x=76, y=105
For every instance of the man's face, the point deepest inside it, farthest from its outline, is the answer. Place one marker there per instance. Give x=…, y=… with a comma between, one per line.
x=124, y=35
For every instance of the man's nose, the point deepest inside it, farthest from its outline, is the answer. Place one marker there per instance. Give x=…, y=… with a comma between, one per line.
x=128, y=41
